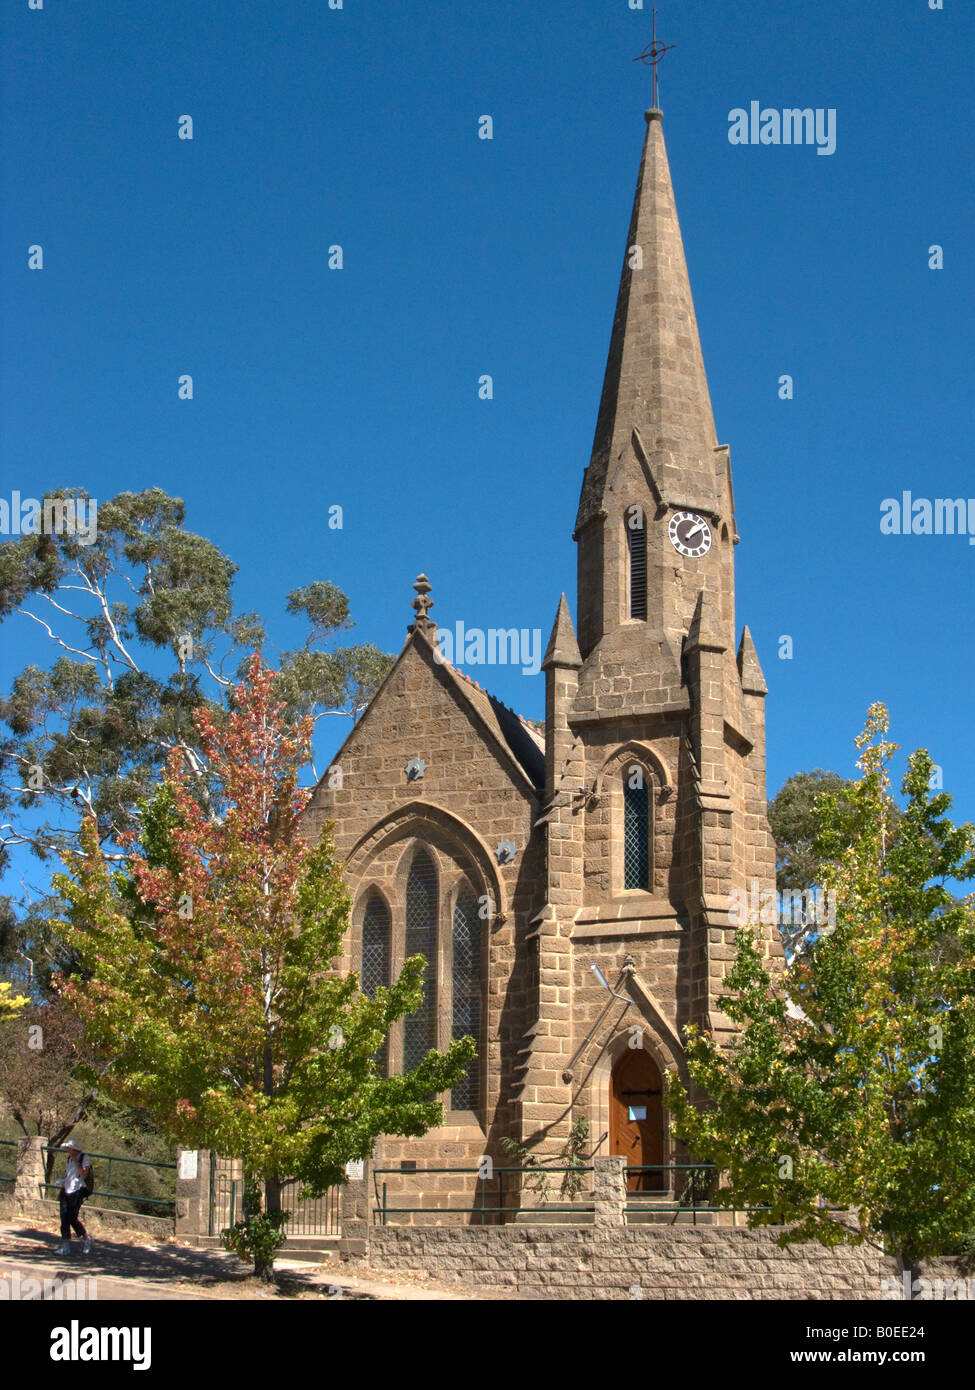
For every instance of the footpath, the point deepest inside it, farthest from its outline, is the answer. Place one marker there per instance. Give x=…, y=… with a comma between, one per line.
x=123, y=1268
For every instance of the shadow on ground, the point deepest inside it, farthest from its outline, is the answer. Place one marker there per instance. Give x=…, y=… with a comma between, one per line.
x=161, y=1265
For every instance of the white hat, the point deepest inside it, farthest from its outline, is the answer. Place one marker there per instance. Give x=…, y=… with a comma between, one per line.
x=70, y=1144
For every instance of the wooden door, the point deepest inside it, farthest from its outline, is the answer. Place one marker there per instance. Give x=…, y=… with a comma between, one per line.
x=636, y=1128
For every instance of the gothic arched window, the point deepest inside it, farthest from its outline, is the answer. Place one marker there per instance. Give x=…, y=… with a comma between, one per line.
x=466, y=982
x=420, y=1028
x=376, y=958
x=636, y=542
x=636, y=828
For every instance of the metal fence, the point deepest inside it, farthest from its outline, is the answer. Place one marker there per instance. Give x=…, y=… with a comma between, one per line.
x=8, y=1163
x=309, y=1216
x=104, y=1165
x=497, y=1196
x=673, y=1192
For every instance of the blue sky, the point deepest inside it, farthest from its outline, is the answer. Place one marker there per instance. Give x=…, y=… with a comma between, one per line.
x=358, y=387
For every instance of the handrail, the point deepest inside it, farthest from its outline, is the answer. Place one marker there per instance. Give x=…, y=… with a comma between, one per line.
x=112, y=1158
x=107, y=1191
x=119, y=1196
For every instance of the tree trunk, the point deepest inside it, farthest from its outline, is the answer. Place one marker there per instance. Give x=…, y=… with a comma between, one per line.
x=264, y=1265
x=910, y=1273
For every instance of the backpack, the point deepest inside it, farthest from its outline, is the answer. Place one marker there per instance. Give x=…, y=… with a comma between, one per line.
x=89, y=1186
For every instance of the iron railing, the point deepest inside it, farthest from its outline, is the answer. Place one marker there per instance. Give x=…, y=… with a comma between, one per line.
x=311, y=1216
x=308, y=1216
x=383, y=1210
x=671, y=1189
x=167, y=1203
x=101, y=1192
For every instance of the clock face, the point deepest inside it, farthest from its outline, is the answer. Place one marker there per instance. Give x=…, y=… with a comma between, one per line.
x=690, y=534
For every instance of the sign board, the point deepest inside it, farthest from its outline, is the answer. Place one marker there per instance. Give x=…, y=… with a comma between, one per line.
x=188, y=1164
x=355, y=1170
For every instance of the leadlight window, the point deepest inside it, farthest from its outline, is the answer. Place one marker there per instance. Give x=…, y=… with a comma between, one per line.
x=376, y=959
x=420, y=1028
x=636, y=829
x=466, y=993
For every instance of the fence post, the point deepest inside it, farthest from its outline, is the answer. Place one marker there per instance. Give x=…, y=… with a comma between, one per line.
x=354, y=1209
x=29, y=1180
x=609, y=1191
x=192, y=1192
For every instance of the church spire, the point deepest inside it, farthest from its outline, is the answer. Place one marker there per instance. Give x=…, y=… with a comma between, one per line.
x=655, y=399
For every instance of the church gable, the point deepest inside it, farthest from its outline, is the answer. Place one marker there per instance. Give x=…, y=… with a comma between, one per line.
x=424, y=735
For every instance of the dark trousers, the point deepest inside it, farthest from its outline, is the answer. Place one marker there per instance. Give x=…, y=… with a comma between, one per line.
x=70, y=1207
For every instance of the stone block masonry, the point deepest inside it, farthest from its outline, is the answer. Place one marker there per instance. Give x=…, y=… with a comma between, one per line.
x=611, y=1260
x=634, y=1262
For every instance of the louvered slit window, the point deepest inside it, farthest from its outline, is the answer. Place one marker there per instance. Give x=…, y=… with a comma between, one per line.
x=467, y=993
x=420, y=1028
x=376, y=959
x=636, y=539
x=636, y=830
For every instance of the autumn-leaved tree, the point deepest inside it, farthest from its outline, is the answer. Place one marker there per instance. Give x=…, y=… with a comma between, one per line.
x=846, y=1108
x=216, y=998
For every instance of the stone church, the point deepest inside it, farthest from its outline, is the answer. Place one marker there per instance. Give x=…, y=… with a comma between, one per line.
x=573, y=893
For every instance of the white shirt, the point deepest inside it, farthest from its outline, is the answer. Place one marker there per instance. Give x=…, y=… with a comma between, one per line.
x=75, y=1179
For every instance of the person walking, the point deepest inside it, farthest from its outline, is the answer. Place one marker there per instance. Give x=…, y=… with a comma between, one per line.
x=73, y=1192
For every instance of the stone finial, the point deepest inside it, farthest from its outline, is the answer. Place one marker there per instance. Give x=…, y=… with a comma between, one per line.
x=422, y=605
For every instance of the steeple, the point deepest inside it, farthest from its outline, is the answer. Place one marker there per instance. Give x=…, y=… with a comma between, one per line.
x=655, y=452
x=655, y=382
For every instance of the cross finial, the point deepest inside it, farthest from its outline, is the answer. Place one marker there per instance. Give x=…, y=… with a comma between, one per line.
x=652, y=55
x=422, y=604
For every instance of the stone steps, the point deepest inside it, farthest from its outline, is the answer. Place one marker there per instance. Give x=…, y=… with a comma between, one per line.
x=308, y=1249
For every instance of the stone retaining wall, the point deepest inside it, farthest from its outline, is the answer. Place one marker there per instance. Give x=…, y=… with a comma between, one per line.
x=635, y=1262
x=97, y=1220
x=612, y=1260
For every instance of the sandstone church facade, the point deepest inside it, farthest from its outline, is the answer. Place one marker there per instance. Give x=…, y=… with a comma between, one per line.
x=516, y=862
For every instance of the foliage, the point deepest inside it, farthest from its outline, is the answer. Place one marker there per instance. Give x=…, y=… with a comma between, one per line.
x=259, y=1235
x=42, y=1056
x=571, y=1156
x=792, y=817
x=697, y=1188
x=10, y=1003
x=145, y=636
x=216, y=1000
x=574, y=1158
x=846, y=1105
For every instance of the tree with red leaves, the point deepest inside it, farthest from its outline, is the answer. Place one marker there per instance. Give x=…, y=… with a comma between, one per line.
x=207, y=974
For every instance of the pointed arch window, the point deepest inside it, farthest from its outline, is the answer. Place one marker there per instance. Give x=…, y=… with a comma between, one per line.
x=420, y=1028
x=636, y=541
x=636, y=828
x=376, y=959
x=466, y=984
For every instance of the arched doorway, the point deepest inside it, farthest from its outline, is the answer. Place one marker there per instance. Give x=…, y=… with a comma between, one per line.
x=636, y=1118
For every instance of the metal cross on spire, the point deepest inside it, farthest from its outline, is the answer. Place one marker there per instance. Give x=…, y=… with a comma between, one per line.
x=652, y=55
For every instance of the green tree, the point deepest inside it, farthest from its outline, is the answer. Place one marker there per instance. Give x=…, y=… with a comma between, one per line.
x=845, y=1107
x=141, y=621
x=794, y=822
x=218, y=1002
